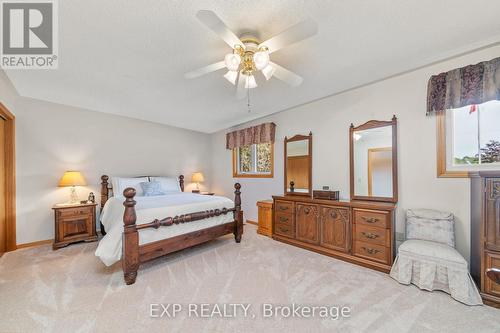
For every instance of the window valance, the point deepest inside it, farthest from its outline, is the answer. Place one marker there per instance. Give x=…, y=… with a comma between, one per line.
x=263, y=133
x=473, y=84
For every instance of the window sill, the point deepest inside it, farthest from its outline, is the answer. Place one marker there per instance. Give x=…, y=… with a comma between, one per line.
x=250, y=175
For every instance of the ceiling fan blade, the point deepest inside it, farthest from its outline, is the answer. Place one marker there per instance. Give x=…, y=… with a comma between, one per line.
x=240, y=86
x=294, y=34
x=214, y=23
x=205, y=70
x=286, y=76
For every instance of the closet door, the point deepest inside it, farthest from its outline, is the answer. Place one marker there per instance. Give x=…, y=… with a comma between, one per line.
x=492, y=214
x=306, y=221
x=3, y=232
x=335, y=228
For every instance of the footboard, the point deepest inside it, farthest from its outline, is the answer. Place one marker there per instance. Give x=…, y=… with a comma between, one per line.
x=134, y=254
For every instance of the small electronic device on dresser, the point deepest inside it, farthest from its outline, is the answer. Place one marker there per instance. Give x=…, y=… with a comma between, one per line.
x=74, y=223
x=359, y=230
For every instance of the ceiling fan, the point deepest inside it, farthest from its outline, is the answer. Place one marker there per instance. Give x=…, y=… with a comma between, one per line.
x=250, y=55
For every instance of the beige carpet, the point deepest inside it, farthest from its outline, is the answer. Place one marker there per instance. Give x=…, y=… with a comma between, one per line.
x=70, y=290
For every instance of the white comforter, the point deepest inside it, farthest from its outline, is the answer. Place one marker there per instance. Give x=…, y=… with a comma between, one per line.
x=148, y=209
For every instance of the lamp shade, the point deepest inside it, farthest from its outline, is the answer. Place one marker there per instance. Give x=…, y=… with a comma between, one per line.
x=72, y=178
x=197, y=177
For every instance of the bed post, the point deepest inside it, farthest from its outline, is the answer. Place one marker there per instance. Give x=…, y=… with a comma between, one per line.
x=238, y=214
x=104, y=197
x=104, y=190
x=130, y=254
x=181, y=182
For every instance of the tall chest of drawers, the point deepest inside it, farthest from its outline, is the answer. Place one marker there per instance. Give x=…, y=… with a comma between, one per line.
x=485, y=235
x=356, y=231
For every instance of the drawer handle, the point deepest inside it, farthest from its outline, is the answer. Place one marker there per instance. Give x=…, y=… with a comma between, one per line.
x=283, y=229
x=369, y=235
x=283, y=207
x=283, y=219
x=493, y=274
x=333, y=214
x=370, y=219
x=370, y=251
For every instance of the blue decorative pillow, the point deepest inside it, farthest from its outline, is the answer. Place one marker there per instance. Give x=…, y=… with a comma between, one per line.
x=151, y=189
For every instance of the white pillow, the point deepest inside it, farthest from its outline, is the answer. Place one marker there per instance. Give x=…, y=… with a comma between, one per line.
x=120, y=184
x=168, y=184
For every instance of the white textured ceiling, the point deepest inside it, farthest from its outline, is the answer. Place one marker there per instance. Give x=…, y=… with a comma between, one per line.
x=129, y=57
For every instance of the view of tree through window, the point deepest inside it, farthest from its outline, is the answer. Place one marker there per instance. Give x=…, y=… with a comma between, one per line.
x=254, y=159
x=264, y=157
x=476, y=134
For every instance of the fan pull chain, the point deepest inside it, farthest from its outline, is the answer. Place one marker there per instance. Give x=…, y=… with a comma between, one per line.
x=248, y=100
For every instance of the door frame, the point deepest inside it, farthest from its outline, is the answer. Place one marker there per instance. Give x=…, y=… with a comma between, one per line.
x=370, y=151
x=10, y=177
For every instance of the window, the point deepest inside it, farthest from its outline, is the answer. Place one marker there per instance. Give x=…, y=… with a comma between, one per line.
x=254, y=161
x=469, y=139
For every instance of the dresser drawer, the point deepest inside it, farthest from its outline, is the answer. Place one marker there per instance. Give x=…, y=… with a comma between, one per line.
x=491, y=261
x=284, y=229
x=372, y=251
x=372, y=218
x=284, y=219
x=372, y=235
x=284, y=207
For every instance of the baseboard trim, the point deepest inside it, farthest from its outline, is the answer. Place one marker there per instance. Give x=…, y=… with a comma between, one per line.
x=252, y=222
x=33, y=244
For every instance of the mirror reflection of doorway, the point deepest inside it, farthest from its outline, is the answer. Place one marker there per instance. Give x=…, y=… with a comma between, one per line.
x=380, y=172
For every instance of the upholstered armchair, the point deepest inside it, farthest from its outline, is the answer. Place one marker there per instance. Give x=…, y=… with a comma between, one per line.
x=429, y=260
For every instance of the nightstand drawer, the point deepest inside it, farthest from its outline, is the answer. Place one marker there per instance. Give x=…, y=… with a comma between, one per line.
x=72, y=212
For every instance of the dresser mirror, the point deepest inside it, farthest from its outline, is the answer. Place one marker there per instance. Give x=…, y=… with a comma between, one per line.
x=298, y=165
x=373, y=161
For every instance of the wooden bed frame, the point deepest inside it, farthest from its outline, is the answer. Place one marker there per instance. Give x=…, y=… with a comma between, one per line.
x=134, y=254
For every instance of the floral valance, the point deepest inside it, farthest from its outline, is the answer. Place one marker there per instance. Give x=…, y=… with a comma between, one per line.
x=263, y=133
x=470, y=85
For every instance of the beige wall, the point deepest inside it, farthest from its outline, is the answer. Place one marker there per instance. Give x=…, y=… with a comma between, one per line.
x=329, y=120
x=52, y=138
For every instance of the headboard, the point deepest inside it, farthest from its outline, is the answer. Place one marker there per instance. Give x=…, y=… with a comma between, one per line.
x=106, y=187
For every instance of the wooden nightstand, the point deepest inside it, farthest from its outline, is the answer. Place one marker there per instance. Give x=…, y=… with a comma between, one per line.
x=74, y=223
x=265, y=226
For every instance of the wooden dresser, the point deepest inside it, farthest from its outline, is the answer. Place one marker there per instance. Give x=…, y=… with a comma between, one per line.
x=74, y=223
x=485, y=235
x=360, y=232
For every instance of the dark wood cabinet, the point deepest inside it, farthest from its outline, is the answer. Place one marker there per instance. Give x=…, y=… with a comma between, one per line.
x=492, y=213
x=306, y=220
x=485, y=235
x=74, y=223
x=335, y=226
x=361, y=232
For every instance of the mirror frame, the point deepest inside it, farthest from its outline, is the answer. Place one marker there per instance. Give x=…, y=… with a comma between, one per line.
x=298, y=137
x=368, y=125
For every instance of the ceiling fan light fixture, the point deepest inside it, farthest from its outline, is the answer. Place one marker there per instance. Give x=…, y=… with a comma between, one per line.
x=261, y=59
x=250, y=82
x=232, y=61
x=268, y=71
x=231, y=76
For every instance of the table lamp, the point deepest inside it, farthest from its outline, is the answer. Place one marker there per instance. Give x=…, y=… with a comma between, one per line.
x=197, y=178
x=72, y=179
